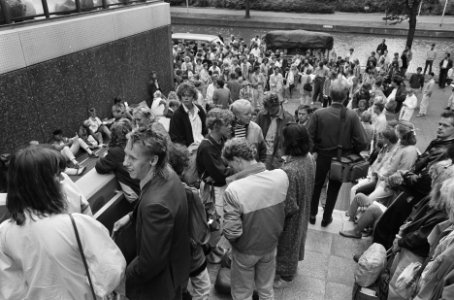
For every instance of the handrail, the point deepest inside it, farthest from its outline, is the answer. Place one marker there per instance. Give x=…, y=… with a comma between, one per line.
x=6, y=17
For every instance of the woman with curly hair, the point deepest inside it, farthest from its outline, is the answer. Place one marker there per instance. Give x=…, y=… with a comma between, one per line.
x=300, y=168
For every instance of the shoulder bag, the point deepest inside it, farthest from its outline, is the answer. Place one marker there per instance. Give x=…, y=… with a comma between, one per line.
x=83, y=256
x=347, y=168
x=307, y=86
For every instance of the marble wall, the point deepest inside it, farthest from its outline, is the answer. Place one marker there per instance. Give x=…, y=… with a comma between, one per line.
x=58, y=93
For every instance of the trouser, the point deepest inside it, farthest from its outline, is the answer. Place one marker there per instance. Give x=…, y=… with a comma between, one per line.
x=323, y=166
x=429, y=64
x=364, y=186
x=248, y=270
x=424, y=105
x=200, y=286
x=442, y=78
x=360, y=200
x=318, y=89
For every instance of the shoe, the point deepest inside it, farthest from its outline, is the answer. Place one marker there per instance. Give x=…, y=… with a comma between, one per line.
x=281, y=283
x=80, y=171
x=356, y=257
x=350, y=234
x=312, y=220
x=73, y=165
x=93, y=154
x=327, y=222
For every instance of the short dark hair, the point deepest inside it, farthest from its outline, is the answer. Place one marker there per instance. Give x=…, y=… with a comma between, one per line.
x=220, y=82
x=380, y=106
x=390, y=134
x=418, y=69
x=120, y=130
x=32, y=183
x=186, y=88
x=448, y=114
x=297, y=141
x=238, y=147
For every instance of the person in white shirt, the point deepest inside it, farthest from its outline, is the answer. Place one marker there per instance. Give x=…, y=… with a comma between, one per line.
x=431, y=55
x=427, y=93
x=255, y=51
x=379, y=122
x=408, y=106
x=39, y=253
x=210, y=90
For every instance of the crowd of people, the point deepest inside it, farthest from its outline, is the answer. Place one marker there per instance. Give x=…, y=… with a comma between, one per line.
x=220, y=171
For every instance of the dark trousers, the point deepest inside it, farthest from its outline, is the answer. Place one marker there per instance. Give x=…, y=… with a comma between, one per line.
x=429, y=64
x=442, y=78
x=323, y=165
x=318, y=89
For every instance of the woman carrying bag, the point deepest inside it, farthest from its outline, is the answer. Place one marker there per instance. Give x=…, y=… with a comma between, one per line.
x=44, y=252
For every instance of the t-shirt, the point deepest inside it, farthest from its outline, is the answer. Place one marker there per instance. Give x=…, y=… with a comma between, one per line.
x=270, y=136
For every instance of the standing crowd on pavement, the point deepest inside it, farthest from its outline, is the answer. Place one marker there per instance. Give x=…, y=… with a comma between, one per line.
x=219, y=171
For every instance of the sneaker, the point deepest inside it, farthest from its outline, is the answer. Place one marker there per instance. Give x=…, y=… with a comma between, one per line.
x=80, y=171
x=312, y=220
x=73, y=165
x=93, y=154
x=281, y=283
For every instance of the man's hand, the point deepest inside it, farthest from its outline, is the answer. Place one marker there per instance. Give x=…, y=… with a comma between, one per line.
x=121, y=223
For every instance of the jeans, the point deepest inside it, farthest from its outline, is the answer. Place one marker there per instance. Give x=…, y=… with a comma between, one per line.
x=200, y=286
x=322, y=168
x=442, y=78
x=248, y=269
x=429, y=64
x=360, y=200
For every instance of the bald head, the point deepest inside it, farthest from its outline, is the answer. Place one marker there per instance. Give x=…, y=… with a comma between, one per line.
x=242, y=109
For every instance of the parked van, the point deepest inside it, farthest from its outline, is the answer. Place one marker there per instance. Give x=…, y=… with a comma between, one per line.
x=202, y=38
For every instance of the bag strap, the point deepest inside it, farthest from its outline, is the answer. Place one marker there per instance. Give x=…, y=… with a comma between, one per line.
x=343, y=113
x=83, y=256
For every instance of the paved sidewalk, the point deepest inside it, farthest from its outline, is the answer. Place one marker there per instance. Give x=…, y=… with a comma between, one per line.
x=338, y=18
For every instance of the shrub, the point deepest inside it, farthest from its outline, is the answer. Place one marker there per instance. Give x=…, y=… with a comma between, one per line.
x=310, y=6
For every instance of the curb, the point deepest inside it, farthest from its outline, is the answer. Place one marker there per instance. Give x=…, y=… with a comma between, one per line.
x=306, y=24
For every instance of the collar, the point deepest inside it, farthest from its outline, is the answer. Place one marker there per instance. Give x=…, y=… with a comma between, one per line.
x=196, y=109
x=147, y=179
x=337, y=104
x=251, y=170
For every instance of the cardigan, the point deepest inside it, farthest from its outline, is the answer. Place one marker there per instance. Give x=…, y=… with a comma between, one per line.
x=180, y=127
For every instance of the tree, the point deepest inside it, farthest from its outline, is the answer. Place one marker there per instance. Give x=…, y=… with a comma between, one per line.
x=400, y=10
x=247, y=4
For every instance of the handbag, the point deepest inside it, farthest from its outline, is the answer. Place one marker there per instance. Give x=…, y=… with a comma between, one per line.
x=350, y=167
x=83, y=256
x=407, y=283
x=307, y=86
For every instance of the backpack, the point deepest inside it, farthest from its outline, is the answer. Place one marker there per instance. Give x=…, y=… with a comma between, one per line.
x=199, y=231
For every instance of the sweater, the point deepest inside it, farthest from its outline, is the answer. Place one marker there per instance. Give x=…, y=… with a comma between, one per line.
x=254, y=210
